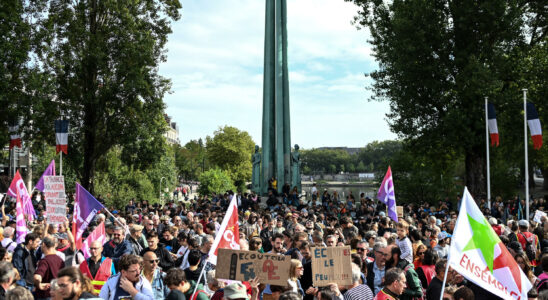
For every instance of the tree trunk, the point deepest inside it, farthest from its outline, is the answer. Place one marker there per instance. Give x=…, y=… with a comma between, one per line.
x=475, y=174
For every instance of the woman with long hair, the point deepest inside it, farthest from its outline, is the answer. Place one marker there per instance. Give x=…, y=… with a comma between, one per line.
x=427, y=270
x=526, y=266
x=295, y=272
x=419, y=255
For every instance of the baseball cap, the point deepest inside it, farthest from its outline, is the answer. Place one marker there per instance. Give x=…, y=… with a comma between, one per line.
x=523, y=223
x=235, y=291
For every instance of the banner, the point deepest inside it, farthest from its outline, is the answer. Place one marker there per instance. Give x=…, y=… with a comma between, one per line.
x=50, y=171
x=18, y=185
x=387, y=196
x=56, y=200
x=330, y=265
x=20, y=225
x=85, y=209
x=246, y=265
x=477, y=253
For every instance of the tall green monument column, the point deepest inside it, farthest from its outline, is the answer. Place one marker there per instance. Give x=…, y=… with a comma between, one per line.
x=276, y=136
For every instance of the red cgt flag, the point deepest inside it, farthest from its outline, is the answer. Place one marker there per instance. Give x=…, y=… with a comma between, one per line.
x=228, y=236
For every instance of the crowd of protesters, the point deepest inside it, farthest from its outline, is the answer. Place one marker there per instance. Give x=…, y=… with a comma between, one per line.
x=159, y=251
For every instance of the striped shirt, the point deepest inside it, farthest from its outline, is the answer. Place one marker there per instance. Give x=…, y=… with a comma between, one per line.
x=361, y=292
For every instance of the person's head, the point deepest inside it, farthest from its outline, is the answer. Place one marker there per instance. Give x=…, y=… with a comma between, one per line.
x=235, y=291
x=207, y=242
x=402, y=229
x=212, y=282
x=356, y=275
x=135, y=231
x=152, y=240
x=381, y=253
x=331, y=241
x=523, y=225
x=514, y=247
x=95, y=249
x=48, y=245
x=430, y=257
x=167, y=235
x=7, y=274
x=175, y=280
x=290, y=295
x=8, y=232
x=32, y=240
x=440, y=268
x=361, y=249
x=277, y=242
x=295, y=269
x=117, y=235
x=395, y=280
x=194, y=257
x=325, y=294
x=149, y=225
x=150, y=261
x=255, y=244
x=304, y=248
x=524, y=263
x=420, y=252
x=463, y=293
x=20, y=293
x=72, y=283
x=130, y=266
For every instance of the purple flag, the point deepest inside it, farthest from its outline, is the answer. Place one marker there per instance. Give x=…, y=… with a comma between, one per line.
x=85, y=208
x=50, y=171
x=386, y=195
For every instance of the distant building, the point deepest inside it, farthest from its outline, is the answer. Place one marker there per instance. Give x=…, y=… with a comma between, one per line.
x=172, y=133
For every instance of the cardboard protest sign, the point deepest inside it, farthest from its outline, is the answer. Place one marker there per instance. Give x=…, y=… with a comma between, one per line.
x=399, y=210
x=331, y=264
x=56, y=200
x=246, y=265
x=538, y=215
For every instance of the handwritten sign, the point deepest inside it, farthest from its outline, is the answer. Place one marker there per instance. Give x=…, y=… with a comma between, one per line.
x=538, y=216
x=246, y=265
x=331, y=264
x=399, y=210
x=56, y=200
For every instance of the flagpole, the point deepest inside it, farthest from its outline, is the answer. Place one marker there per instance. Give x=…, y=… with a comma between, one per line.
x=445, y=276
x=526, y=156
x=61, y=163
x=198, y=282
x=487, y=149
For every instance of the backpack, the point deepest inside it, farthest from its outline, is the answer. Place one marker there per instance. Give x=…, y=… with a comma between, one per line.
x=542, y=285
x=529, y=247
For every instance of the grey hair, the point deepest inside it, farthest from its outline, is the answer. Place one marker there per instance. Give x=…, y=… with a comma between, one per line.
x=380, y=243
x=49, y=242
x=19, y=293
x=211, y=278
x=356, y=273
x=6, y=272
x=207, y=238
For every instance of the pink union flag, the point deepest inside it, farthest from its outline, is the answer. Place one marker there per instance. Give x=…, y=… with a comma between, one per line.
x=20, y=224
x=98, y=234
x=18, y=186
x=387, y=196
x=477, y=253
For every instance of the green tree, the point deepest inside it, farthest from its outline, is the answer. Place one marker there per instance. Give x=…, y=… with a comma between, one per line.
x=102, y=59
x=215, y=180
x=230, y=150
x=437, y=62
x=379, y=154
x=191, y=159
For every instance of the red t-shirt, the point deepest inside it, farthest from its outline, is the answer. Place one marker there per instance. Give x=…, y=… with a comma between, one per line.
x=48, y=267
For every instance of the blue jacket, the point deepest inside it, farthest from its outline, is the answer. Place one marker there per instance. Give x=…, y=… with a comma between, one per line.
x=114, y=252
x=159, y=289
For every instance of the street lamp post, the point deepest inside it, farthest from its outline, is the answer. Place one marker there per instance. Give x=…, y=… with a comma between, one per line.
x=161, y=189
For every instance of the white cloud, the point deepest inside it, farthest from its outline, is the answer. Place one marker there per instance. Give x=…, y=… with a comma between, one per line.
x=215, y=61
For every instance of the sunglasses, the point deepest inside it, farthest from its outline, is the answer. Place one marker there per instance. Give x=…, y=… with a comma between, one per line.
x=360, y=249
x=420, y=253
x=154, y=261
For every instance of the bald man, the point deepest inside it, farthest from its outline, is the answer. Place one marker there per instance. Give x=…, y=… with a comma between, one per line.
x=154, y=275
x=98, y=268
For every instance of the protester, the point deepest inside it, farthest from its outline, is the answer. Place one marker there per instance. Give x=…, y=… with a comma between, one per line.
x=153, y=273
x=394, y=285
x=7, y=276
x=176, y=282
x=357, y=291
x=73, y=285
x=47, y=267
x=97, y=268
x=118, y=246
x=128, y=282
x=24, y=260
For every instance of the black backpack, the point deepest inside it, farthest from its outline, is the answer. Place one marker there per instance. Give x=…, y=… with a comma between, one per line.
x=529, y=248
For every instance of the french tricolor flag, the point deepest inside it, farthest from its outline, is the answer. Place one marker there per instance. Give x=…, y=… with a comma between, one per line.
x=534, y=125
x=61, y=136
x=493, y=129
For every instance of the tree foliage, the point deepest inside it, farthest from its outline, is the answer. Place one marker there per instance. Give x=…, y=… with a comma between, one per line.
x=191, y=159
x=230, y=150
x=102, y=58
x=215, y=181
x=439, y=59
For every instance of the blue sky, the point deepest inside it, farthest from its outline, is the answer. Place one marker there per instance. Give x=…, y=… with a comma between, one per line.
x=215, y=62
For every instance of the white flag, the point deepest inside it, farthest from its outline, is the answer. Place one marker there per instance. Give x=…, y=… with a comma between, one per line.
x=477, y=253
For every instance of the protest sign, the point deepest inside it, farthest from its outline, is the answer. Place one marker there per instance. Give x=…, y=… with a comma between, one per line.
x=246, y=265
x=331, y=265
x=399, y=210
x=56, y=201
x=538, y=215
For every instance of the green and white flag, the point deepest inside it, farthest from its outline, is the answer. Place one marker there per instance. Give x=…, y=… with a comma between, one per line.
x=477, y=253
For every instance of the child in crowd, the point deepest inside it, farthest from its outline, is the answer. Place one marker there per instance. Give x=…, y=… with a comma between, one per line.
x=403, y=242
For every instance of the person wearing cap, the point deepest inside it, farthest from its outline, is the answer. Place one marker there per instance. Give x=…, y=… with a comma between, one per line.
x=236, y=291
x=134, y=239
x=442, y=249
x=117, y=246
x=494, y=224
x=66, y=245
x=524, y=236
